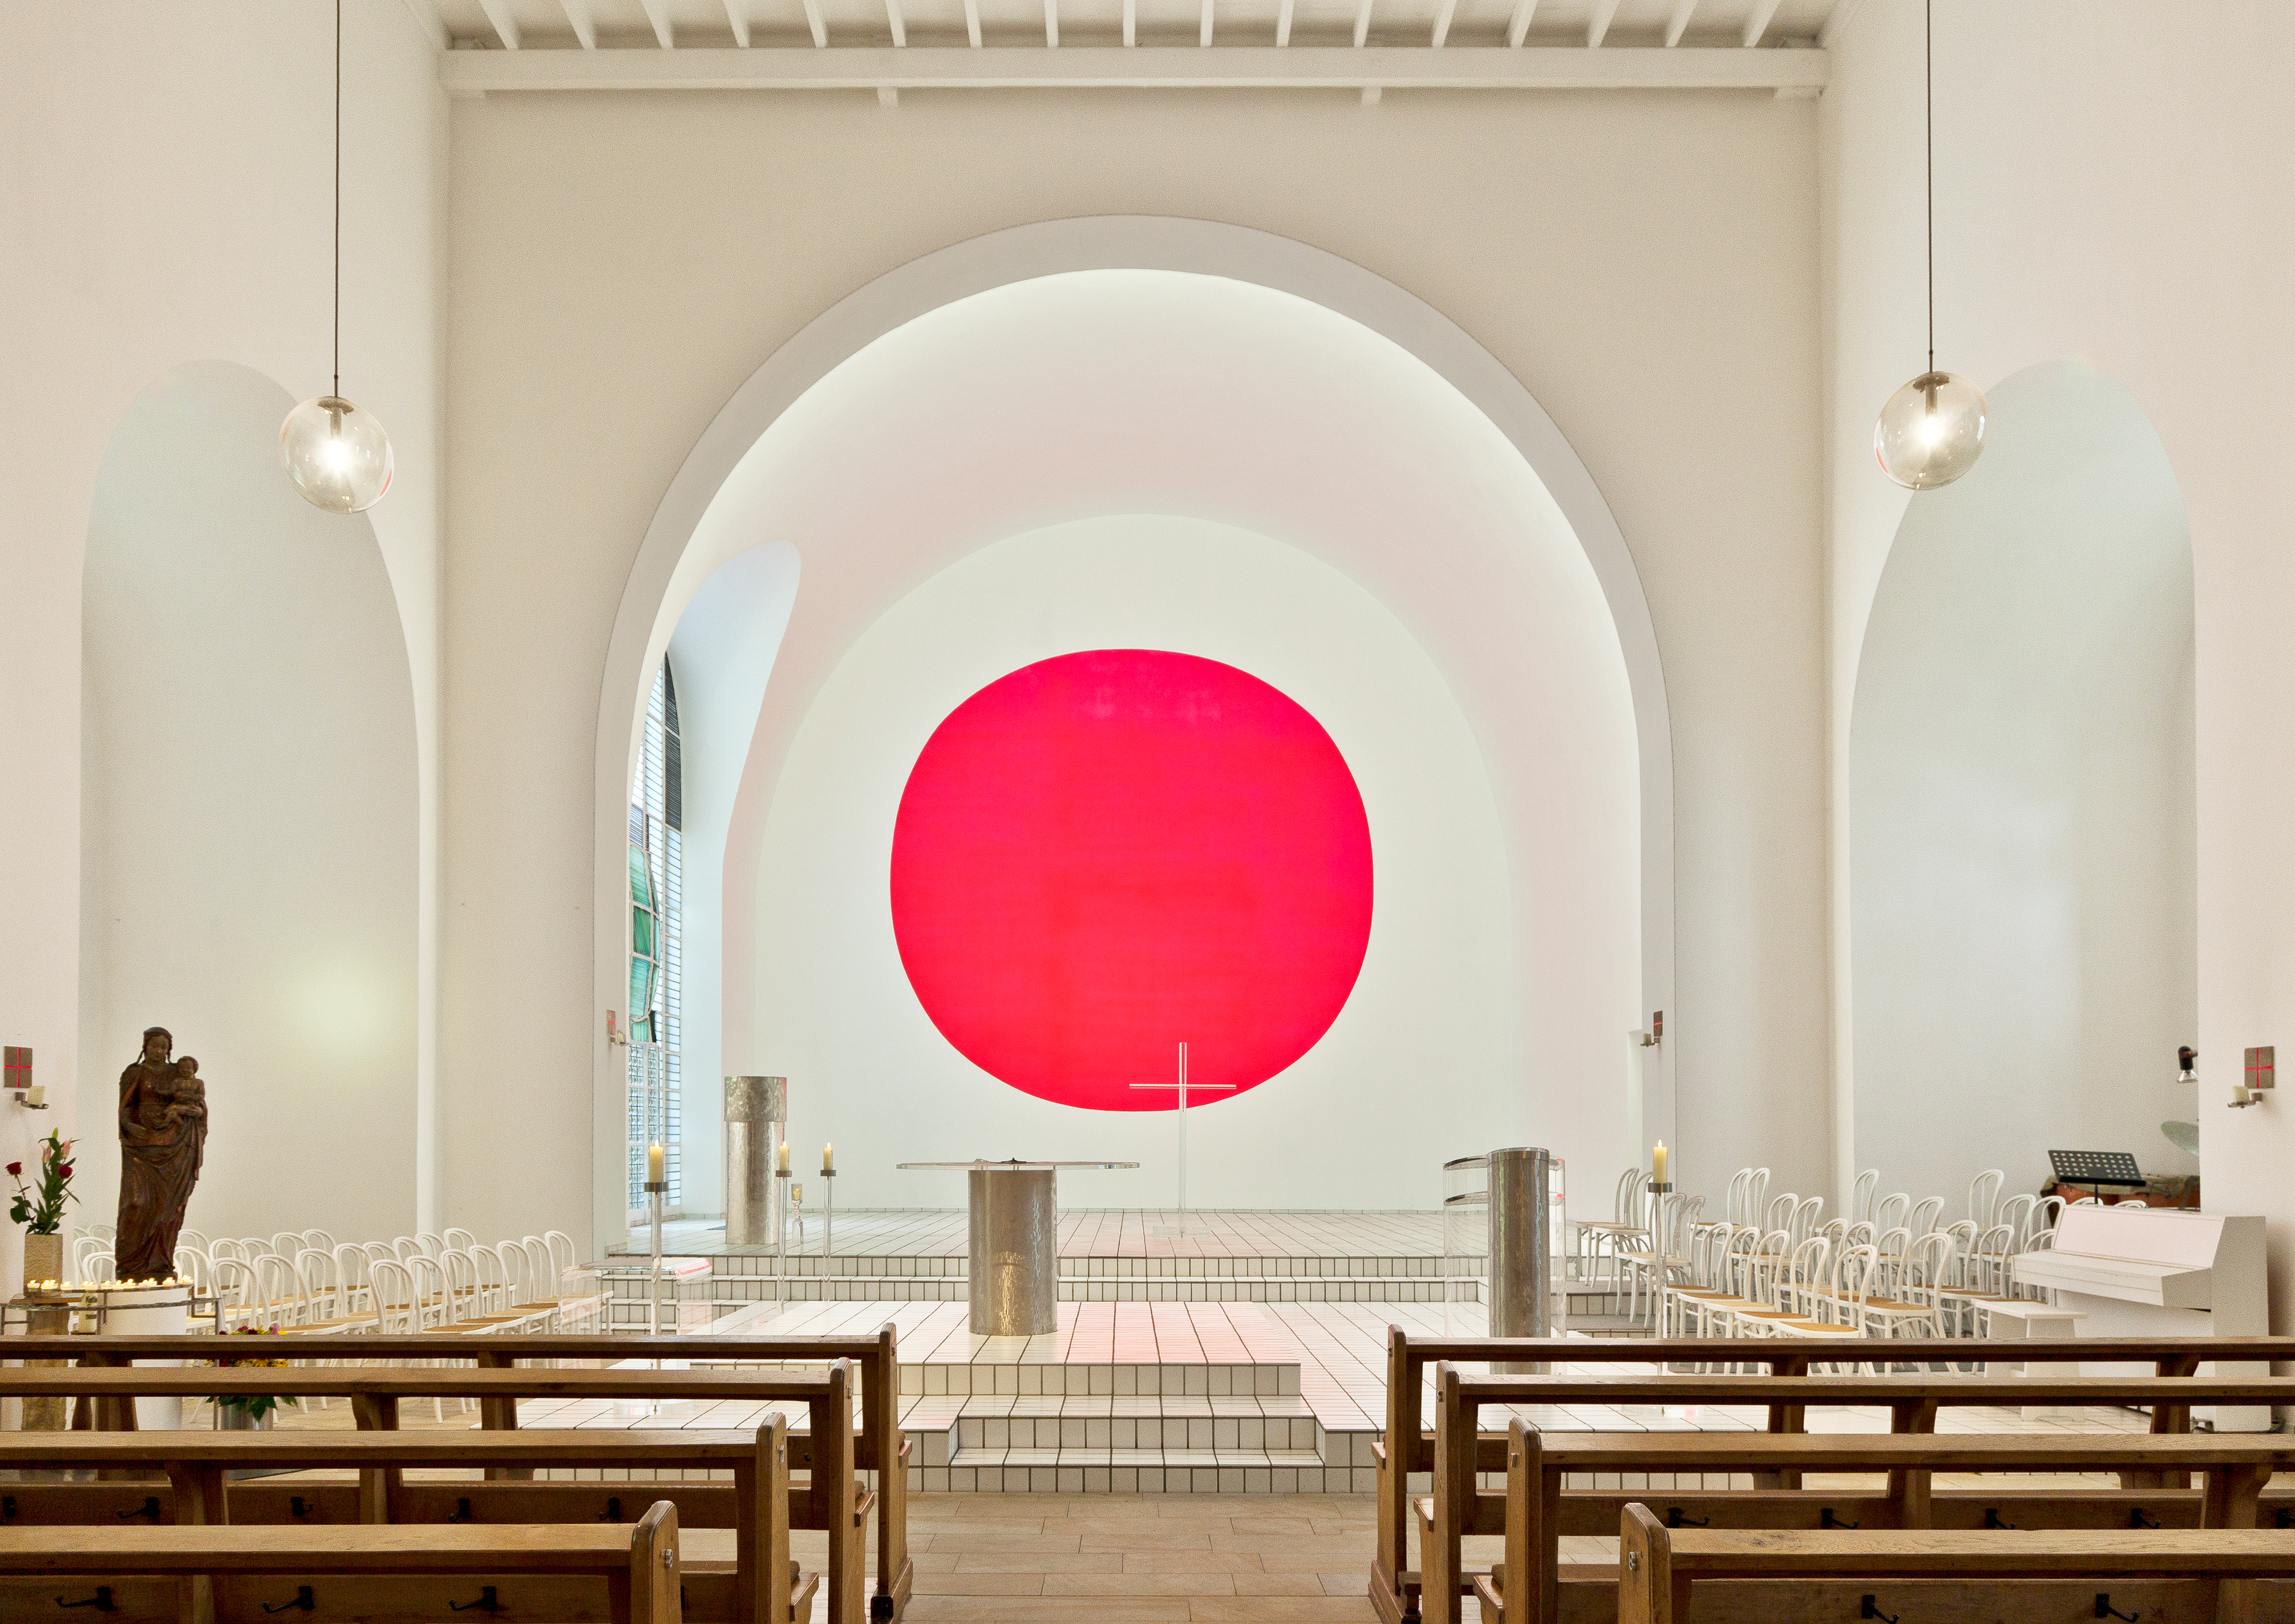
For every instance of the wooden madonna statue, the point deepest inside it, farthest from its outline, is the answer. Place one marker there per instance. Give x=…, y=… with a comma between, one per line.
x=163, y=1136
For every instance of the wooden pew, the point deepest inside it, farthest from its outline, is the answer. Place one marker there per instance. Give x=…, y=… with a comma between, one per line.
x=755, y=1505
x=1961, y=1575
x=1407, y=1447
x=638, y=1562
x=883, y=1452
x=833, y=1501
x=2235, y=1468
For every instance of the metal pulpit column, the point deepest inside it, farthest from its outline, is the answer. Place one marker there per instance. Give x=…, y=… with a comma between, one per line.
x=1013, y=1261
x=1183, y=1085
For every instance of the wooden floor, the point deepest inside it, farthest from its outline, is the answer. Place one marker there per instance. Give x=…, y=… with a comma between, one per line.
x=1175, y=1558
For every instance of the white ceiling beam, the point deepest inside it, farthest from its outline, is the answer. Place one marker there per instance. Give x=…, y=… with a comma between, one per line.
x=1678, y=23
x=1518, y=25
x=1152, y=67
x=1205, y=37
x=817, y=23
x=1597, y=26
x=1442, y=15
x=658, y=13
x=1836, y=20
x=505, y=25
x=1363, y=23
x=425, y=13
x=1282, y=23
x=585, y=27
x=1052, y=24
x=899, y=25
x=1757, y=22
x=739, y=20
x=972, y=23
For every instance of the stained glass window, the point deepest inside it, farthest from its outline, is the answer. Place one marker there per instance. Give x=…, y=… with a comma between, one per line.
x=657, y=949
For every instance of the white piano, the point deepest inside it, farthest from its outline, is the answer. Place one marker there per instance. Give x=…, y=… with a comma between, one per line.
x=2150, y=1271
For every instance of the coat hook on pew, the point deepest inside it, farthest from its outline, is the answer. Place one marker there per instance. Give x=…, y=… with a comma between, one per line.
x=461, y=1511
x=1825, y=1519
x=296, y=1506
x=1993, y=1519
x=301, y=1603
x=1871, y=1610
x=485, y=1603
x=150, y=1508
x=101, y=1601
x=2137, y=1519
x=1674, y=1519
x=2106, y=1610
x=613, y=1512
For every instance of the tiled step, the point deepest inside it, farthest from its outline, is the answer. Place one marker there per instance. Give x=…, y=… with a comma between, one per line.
x=812, y=1264
x=1176, y=1445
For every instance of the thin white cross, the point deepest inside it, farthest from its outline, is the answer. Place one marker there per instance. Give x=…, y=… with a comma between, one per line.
x=1183, y=1085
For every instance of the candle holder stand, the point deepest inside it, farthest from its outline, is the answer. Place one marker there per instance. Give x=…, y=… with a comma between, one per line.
x=1661, y=1189
x=782, y=1176
x=828, y=1216
x=655, y=1191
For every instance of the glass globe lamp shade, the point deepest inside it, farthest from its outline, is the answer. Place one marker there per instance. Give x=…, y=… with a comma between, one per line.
x=337, y=454
x=1931, y=431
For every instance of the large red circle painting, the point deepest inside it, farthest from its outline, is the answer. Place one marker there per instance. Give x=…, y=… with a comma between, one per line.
x=1104, y=855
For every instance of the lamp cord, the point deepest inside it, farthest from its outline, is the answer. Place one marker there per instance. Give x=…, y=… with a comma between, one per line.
x=1928, y=66
x=338, y=201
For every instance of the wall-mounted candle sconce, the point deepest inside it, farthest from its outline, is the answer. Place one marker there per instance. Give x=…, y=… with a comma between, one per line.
x=2257, y=1079
x=1655, y=1035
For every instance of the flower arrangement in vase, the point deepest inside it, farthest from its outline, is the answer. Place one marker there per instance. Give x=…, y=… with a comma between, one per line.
x=40, y=1206
x=251, y=1409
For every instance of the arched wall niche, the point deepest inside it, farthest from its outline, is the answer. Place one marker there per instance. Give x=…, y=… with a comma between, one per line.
x=249, y=818
x=2024, y=868
x=964, y=398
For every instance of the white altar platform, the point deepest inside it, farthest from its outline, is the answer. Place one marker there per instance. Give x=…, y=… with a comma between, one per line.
x=1217, y=1352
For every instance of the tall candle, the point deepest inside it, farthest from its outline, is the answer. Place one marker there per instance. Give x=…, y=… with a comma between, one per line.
x=829, y=1158
x=653, y=1165
x=1657, y=1163
x=784, y=1166
x=36, y=1095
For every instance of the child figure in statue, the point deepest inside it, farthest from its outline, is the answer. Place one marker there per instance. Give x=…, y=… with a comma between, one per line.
x=187, y=1098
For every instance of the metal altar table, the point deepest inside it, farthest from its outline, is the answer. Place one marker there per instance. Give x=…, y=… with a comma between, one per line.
x=1013, y=1268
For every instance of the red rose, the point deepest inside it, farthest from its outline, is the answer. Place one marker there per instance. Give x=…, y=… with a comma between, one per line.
x=15, y=1169
x=64, y=1172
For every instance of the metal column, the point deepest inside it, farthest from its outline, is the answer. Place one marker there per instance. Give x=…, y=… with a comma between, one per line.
x=1015, y=1264
x=1521, y=1249
x=757, y=1108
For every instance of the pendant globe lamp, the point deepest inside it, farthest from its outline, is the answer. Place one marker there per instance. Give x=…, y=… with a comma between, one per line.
x=335, y=452
x=1932, y=431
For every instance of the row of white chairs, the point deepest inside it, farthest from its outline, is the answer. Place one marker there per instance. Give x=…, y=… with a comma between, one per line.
x=1654, y=1247
x=403, y=1288
x=1845, y=1282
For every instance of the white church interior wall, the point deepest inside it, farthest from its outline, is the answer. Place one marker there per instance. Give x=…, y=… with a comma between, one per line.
x=248, y=760
x=830, y=195
x=175, y=207
x=2024, y=878
x=2131, y=230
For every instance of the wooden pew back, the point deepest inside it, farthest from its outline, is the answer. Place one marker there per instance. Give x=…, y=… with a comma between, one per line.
x=881, y=1449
